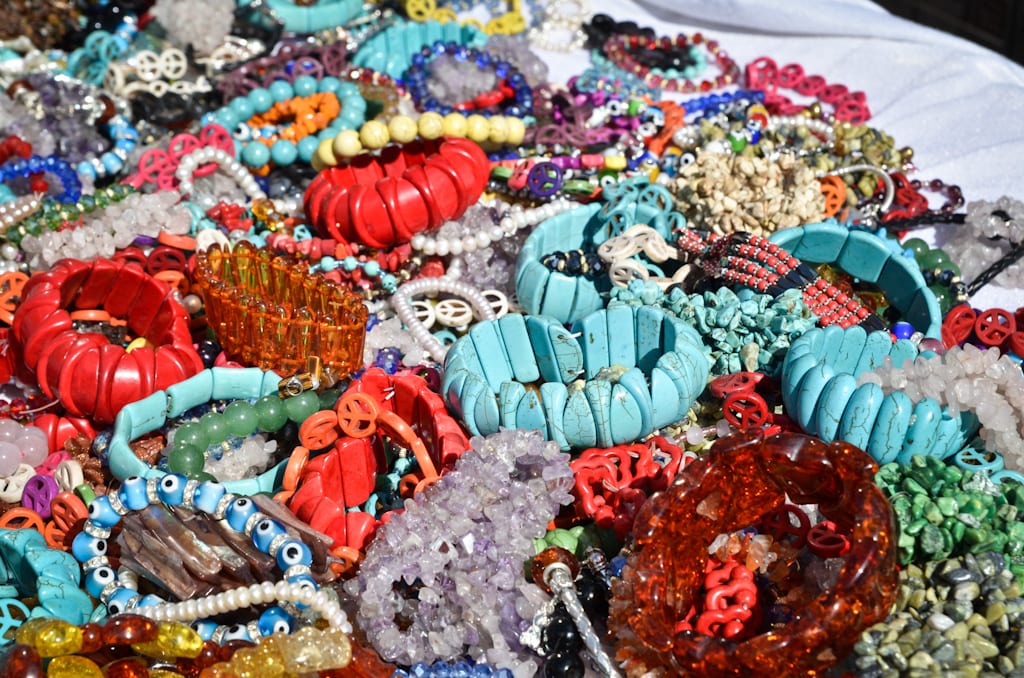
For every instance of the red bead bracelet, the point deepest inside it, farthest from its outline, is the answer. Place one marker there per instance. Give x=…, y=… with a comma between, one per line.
x=765, y=74
x=84, y=371
x=618, y=48
x=385, y=200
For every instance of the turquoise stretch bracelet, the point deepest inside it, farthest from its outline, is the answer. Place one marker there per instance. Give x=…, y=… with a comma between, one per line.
x=820, y=392
x=865, y=256
x=312, y=18
x=614, y=377
x=30, y=568
x=149, y=414
x=568, y=298
x=391, y=50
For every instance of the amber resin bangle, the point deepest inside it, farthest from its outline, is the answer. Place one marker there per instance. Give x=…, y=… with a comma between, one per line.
x=266, y=311
x=741, y=480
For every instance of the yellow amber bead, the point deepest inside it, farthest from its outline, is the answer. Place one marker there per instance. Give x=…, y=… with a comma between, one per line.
x=139, y=342
x=164, y=673
x=455, y=125
x=74, y=667
x=262, y=660
x=27, y=632
x=477, y=128
x=57, y=637
x=516, y=131
x=337, y=648
x=346, y=144
x=430, y=125
x=402, y=129
x=301, y=651
x=173, y=640
x=374, y=135
x=499, y=130
x=219, y=670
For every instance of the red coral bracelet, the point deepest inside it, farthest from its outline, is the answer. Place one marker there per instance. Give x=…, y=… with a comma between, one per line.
x=90, y=376
x=385, y=200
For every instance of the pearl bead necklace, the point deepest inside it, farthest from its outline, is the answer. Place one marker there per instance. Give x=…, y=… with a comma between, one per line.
x=401, y=302
x=514, y=220
x=818, y=127
x=14, y=212
x=234, y=169
x=246, y=596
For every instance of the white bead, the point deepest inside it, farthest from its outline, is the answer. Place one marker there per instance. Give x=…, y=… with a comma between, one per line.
x=430, y=248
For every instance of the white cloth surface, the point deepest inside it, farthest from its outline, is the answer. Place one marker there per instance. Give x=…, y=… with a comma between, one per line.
x=957, y=104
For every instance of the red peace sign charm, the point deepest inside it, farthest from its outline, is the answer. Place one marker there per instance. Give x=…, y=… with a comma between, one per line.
x=994, y=325
x=780, y=525
x=357, y=415
x=739, y=382
x=745, y=410
x=825, y=542
x=958, y=325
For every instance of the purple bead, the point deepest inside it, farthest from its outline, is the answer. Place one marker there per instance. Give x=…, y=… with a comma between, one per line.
x=39, y=493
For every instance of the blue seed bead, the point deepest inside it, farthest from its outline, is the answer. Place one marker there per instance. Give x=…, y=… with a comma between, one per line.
x=294, y=553
x=102, y=514
x=207, y=495
x=328, y=264
x=274, y=620
x=304, y=86
x=85, y=546
x=371, y=268
x=256, y=154
x=350, y=263
x=132, y=493
x=171, y=489
x=264, y=533
x=239, y=512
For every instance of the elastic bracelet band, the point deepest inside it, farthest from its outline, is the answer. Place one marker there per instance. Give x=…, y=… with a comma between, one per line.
x=151, y=413
x=309, y=316
x=391, y=50
x=618, y=50
x=380, y=202
x=91, y=377
x=821, y=393
x=659, y=363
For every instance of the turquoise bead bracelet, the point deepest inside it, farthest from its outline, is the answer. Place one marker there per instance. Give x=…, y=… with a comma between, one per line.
x=391, y=50
x=820, y=392
x=239, y=110
x=568, y=298
x=151, y=413
x=30, y=568
x=867, y=257
x=303, y=18
x=615, y=377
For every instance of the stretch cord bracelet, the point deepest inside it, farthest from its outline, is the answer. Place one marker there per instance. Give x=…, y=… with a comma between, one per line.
x=620, y=51
x=868, y=258
x=746, y=478
x=18, y=210
x=613, y=378
x=969, y=383
x=317, y=108
x=71, y=186
x=342, y=492
x=267, y=311
x=826, y=393
x=234, y=169
x=401, y=129
x=118, y=591
x=117, y=227
x=55, y=215
x=477, y=595
x=90, y=376
x=269, y=413
x=401, y=303
x=512, y=85
x=763, y=73
x=158, y=165
x=392, y=50
x=381, y=202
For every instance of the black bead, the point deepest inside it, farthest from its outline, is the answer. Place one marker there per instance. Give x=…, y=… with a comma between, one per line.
x=593, y=596
x=208, y=352
x=564, y=665
x=561, y=635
